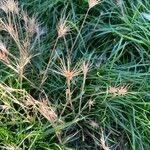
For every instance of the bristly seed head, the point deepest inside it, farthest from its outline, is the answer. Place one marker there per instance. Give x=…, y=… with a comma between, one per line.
x=9, y=6
x=123, y=90
x=62, y=28
x=112, y=90
x=65, y=70
x=93, y=3
x=118, y=91
x=31, y=24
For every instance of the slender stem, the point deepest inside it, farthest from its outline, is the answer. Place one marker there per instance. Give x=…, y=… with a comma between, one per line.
x=80, y=30
x=49, y=61
x=82, y=92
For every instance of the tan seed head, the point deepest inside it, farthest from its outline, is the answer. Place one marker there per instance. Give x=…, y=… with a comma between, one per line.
x=9, y=6
x=62, y=28
x=93, y=3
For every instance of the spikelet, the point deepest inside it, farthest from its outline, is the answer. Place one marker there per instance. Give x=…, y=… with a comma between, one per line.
x=31, y=24
x=123, y=90
x=9, y=6
x=62, y=28
x=118, y=91
x=112, y=90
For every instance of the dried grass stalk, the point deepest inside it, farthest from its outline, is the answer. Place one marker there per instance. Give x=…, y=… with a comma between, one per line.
x=3, y=53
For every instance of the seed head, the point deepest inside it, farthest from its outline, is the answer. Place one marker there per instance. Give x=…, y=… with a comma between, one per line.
x=113, y=90
x=9, y=6
x=118, y=91
x=62, y=28
x=31, y=24
x=123, y=90
x=66, y=71
x=93, y=3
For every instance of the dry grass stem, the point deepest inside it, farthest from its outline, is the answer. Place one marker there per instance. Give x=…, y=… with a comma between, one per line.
x=47, y=111
x=5, y=107
x=102, y=141
x=85, y=68
x=3, y=53
x=43, y=107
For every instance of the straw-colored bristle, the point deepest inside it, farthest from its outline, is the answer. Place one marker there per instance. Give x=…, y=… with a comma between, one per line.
x=85, y=67
x=62, y=28
x=31, y=24
x=112, y=90
x=122, y=90
x=65, y=70
x=93, y=3
x=118, y=91
x=47, y=111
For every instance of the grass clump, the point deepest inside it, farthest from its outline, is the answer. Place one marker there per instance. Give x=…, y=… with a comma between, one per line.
x=74, y=75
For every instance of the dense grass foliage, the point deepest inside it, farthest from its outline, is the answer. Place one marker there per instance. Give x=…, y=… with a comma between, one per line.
x=74, y=75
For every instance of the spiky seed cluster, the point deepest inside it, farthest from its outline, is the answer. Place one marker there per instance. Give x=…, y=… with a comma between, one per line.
x=65, y=70
x=123, y=90
x=3, y=53
x=31, y=25
x=112, y=90
x=118, y=91
x=93, y=3
x=9, y=6
x=62, y=28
